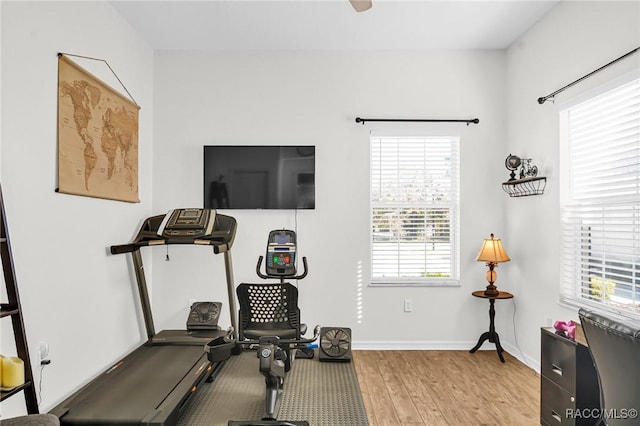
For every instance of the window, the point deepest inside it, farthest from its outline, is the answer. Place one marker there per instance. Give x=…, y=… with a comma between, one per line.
x=600, y=201
x=414, y=210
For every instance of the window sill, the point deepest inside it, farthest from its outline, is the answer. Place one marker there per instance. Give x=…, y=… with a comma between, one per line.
x=417, y=283
x=604, y=309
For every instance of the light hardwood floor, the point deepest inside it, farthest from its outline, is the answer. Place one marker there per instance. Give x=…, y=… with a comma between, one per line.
x=435, y=388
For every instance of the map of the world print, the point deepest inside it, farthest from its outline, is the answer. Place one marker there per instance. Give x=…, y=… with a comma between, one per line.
x=97, y=137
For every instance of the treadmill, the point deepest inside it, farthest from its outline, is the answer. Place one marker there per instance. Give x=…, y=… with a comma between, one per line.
x=154, y=383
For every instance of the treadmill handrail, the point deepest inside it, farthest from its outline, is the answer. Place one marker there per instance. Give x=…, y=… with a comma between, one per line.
x=130, y=247
x=220, y=239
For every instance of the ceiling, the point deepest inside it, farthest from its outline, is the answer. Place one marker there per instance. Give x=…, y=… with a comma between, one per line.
x=331, y=24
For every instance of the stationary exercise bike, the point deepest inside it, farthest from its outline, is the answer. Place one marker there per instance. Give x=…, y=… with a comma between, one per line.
x=269, y=317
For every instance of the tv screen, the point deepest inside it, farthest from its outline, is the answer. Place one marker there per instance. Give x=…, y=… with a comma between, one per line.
x=259, y=177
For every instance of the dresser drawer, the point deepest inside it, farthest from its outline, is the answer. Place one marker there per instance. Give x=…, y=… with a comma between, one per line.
x=558, y=361
x=556, y=404
x=568, y=382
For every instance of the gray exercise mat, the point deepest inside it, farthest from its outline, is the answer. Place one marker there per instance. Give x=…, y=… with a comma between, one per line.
x=323, y=393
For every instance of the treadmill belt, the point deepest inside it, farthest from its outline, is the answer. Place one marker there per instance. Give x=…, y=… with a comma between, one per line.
x=135, y=387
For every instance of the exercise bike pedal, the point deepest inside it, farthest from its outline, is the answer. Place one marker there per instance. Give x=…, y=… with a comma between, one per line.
x=305, y=353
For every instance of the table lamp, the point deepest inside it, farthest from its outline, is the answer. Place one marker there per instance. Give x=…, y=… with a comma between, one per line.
x=493, y=253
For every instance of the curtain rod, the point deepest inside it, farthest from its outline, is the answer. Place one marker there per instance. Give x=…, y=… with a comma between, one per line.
x=552, y=95
x=411, y=120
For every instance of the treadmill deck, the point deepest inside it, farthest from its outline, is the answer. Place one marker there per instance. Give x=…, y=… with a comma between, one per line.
x=135, y=387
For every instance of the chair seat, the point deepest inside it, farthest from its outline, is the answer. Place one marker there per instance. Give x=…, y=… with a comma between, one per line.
x=283, y=333
x=256, y=334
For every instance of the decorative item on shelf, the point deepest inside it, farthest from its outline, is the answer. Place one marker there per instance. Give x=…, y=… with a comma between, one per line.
x=12, y=372
x=527, y=181
x=493, y=253
x=566, y=328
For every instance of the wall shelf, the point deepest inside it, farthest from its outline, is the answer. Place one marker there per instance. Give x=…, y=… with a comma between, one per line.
x=525, y=187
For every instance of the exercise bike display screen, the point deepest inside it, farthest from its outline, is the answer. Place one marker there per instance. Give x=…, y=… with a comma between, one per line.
x=283, y=238
x=281, y=253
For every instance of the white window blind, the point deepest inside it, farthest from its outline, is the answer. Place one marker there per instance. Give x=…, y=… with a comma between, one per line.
x=601, y=201
x=414, y=210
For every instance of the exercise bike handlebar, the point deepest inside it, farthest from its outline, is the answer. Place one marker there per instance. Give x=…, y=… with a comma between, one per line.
x=293, y=277
x=316, y=334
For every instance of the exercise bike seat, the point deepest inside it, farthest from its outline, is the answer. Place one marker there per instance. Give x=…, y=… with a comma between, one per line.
x=283, y=333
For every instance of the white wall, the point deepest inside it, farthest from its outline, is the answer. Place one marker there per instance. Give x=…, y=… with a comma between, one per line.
x=83, y=302
x=75, y=296
x=572, y=40
x=313, y=97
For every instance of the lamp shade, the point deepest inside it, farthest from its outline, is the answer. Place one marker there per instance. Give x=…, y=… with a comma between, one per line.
x=492, y=251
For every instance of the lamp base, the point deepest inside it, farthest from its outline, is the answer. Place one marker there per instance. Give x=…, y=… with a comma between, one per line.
x=491, y=290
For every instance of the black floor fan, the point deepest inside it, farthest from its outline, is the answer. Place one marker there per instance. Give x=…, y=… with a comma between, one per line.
x=335, y=344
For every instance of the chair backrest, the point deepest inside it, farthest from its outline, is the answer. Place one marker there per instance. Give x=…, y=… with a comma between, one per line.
x=268, y=310
x=615, y=348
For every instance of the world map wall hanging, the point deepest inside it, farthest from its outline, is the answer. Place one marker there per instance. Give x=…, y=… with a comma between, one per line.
x=97, y=137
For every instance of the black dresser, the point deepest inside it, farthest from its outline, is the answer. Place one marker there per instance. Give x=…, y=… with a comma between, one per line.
x=569, y=392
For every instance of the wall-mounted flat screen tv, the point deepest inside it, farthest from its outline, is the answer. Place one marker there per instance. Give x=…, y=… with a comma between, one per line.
x=259, y=177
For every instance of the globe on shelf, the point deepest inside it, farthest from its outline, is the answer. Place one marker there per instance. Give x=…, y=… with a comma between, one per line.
x=512, y=163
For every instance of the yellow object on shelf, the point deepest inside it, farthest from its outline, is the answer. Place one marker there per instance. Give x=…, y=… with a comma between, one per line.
x=12, y=372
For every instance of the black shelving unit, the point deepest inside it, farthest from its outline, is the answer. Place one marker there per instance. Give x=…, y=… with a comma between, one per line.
x=525, y=187
x=12, y=310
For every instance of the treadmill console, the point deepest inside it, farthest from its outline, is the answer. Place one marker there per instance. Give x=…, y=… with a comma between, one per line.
x=187, y=223
x=281, y=253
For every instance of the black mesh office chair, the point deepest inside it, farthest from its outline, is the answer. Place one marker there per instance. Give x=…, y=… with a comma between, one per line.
x=269, y=316
x=615, y=348
x=269, y=310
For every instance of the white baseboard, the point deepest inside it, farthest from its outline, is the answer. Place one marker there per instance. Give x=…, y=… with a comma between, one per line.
x=530, y=362
x=401, y=345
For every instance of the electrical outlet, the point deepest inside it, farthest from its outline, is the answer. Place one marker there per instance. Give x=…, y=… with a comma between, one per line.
x=408, y=305
x=44, y=352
